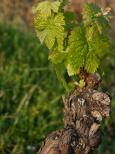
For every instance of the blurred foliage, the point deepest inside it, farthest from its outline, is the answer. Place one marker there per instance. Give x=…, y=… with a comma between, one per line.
x=108, y=85
x=30, y=95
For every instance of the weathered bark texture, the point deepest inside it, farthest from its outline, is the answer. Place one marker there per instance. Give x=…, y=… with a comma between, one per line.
x=84, y=110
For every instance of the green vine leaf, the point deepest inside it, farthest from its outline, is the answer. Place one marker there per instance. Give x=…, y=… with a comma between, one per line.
x=77, y=50
x=92, y=62
x=51, y=30
x=45, y=8
x=96, y=31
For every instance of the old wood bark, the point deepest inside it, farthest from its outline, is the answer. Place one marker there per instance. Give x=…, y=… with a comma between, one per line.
x=84, y=109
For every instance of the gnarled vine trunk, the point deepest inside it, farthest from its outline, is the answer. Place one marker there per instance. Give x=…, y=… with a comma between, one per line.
x=84, y=110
